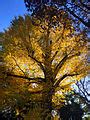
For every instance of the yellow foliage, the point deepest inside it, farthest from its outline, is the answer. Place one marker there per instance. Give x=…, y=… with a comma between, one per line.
x=50, y=54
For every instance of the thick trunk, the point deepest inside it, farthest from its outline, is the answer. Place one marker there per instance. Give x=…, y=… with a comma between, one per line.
x=41, y=103
x=39, y=111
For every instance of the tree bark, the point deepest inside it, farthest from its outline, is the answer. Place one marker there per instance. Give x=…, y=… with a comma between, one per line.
x=40, y=110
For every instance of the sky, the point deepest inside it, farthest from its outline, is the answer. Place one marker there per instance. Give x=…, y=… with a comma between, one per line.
x=8, y=10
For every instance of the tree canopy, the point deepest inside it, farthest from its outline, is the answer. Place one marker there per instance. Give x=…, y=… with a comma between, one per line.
x=44, y=56
x=45, y=53
x=78, y=9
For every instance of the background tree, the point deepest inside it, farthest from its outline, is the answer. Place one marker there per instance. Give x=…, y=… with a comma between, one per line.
x=78, y=9
x=50, y=55
x=72, y=108
x=82, y=90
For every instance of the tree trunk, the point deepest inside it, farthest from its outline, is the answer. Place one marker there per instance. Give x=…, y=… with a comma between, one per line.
x=39, y=111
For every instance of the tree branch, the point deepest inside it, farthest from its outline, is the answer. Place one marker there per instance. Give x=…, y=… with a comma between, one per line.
x=76, y=16
x=61, y=36
x=33, y=58
x=61, y=63
x=18, y=66
x=83, y=98
x=54, y=56
x=83, y=92
x=38, y=62
x=84, y=5
x=56, y=84
x=83, y=86
x=39, y=79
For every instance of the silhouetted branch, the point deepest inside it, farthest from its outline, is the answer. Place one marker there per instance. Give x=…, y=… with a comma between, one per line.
x=82, y=87
x=87, y=24
x=61, y=63
x=39, y=79
x=80, y=4
x=56, y=84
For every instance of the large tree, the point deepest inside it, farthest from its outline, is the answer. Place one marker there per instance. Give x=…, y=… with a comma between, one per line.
x=48, y=53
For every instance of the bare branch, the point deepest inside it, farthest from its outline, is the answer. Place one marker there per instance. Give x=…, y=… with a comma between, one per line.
x=83, y=98
x=82, y=91
x=83, y=86
x=76, y=16
x=84, y=5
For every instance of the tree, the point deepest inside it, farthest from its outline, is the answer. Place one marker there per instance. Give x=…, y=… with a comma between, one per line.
x=48, y=53
x=83, y=92
x=72, y=108
x=83, y=89
x=78, y=9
